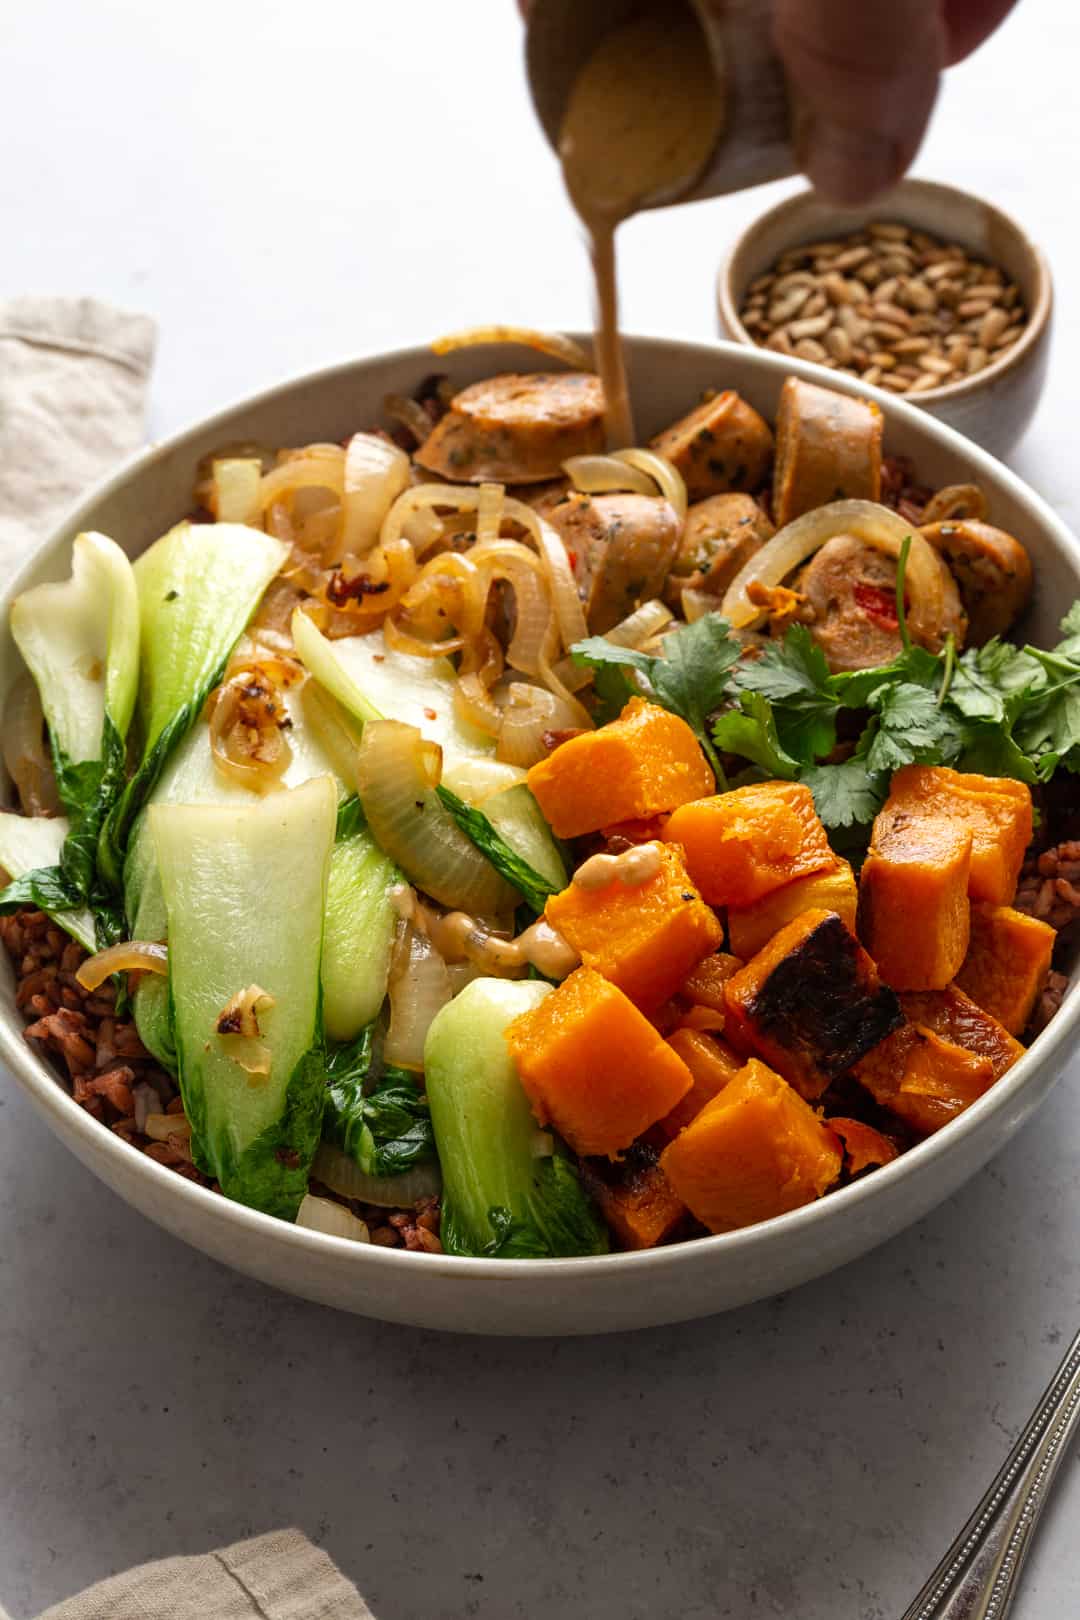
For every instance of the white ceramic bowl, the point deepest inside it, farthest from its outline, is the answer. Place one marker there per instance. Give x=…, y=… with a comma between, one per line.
x=546, y=1296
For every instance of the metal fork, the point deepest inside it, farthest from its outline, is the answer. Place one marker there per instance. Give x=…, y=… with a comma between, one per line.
x=978, y=1577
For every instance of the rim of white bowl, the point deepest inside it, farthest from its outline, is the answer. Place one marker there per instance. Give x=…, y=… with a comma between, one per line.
x=41, y=1081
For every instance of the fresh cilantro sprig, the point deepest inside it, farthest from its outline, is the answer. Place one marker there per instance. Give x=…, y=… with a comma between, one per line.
x=999, y=709
x=690, y=677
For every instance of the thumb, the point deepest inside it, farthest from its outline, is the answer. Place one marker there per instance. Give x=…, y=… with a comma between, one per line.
x=865, y=78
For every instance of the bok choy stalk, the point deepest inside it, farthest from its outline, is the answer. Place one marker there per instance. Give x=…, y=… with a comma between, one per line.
x=30, y=848
x=500, y=1195
x=245, y=892
x=198, y=587
x=80, y=641
x=191, y=777
x=359, y=928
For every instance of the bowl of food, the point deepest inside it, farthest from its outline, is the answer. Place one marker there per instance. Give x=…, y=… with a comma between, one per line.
x=470, y=879
x=931, y=293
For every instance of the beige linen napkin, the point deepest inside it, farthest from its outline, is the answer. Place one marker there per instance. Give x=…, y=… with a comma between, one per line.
x=73, y=383
x=276, y=1577
x=73, y=379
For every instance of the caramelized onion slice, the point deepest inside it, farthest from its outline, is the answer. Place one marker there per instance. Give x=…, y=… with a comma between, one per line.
x=129, y=956
x=556, y=344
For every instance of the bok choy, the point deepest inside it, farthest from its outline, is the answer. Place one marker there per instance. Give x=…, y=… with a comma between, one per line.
x=508, y=1189
x=197, y=588
x=30, y=848
x=244, y=890
x=80, y=640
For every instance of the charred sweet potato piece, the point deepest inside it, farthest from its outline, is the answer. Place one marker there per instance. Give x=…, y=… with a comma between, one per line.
x=828, y=448
x=756, y=1150
x=711, y=1062
x=636, y=1199
x=914, y=912
x=831, y=889
x=744, y=844
x=864, y=1148
x=811, y=1003
x=593, y=1066
x=721, y=445
x=923, y=1079
x=997, y=810
x=947, y=1054
x=955, y=1017
x=642, y=763
x=644, y=937
x=705, y=985
x=1007, y=963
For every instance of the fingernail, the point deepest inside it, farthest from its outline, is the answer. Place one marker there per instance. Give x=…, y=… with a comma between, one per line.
x=849, y=166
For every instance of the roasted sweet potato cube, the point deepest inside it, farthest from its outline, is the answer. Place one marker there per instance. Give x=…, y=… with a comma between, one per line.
x=864, y=1147
x=705, y=985
x=712, y=1064
x=636, y=1199
x=756, y=1150
x=644, y=937
x=831, y=889
x=923, y=1079
x=811, y=1003
x=997, y=810
x=744, y=844
x=1007, y=963
x=644, y=762
x=593, y=1065
x=940, y=1061
x=723, y=444
x=914, y=912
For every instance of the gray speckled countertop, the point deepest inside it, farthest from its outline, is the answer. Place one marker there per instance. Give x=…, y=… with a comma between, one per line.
x=806, y=1457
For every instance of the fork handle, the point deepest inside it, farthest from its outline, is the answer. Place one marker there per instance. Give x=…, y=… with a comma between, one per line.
x=978, y=1576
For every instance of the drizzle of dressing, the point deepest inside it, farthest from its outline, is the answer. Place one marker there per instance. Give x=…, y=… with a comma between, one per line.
x=459, y=937
x=632, y=868
x=641, y=123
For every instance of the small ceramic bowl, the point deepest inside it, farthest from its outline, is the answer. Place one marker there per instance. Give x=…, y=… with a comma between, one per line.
x=602, y=1292
x=995, y=406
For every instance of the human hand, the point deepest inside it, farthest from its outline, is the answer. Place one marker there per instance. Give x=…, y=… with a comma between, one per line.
x=867, y=77
x=866, y=73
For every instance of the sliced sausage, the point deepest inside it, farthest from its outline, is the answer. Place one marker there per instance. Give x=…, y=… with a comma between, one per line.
x=723, y=445
x=828, y=448
x=517, y=429
x=850, y=604
x=622, y=547
x=719, y=535
x=992, y=570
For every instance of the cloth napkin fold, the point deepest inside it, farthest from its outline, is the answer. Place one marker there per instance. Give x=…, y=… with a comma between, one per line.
x=73, y=386
x=280, y=1576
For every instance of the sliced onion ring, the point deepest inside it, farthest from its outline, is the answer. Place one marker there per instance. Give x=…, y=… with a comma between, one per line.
x=600, y=475
x=669, y=479
x=553, y=343
x=129, y=956
x=875, y=526
x=963, y=502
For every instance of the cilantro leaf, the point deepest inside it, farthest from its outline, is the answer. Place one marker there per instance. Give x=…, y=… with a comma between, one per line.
x=789, y=671
x=912, y=729
x=846, y=795
x=750, y=731
x=690, y=679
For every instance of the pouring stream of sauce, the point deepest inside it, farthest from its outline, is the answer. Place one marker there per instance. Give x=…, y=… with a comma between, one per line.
x=641, y=123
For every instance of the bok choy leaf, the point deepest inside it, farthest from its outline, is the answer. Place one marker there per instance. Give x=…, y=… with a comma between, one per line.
x=80, y=640
x=197, y=587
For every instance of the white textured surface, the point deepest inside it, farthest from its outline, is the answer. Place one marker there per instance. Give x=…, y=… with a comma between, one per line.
x=280, y=186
